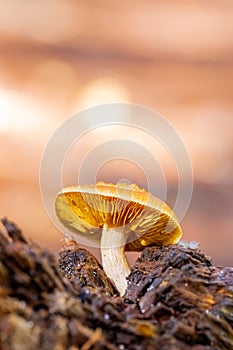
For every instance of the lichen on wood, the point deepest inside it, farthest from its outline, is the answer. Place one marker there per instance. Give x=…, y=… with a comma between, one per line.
x=175, y=299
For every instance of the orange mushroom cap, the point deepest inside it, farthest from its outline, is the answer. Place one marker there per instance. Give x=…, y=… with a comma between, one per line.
x=146, y=219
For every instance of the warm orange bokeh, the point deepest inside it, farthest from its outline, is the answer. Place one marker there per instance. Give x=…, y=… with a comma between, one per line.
x=57, y=57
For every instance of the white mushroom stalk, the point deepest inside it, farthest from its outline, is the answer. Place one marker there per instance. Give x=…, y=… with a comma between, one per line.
x=114, y=261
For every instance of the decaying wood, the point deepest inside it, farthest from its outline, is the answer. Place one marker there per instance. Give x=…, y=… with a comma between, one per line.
x=176, y=299
x=82, y=268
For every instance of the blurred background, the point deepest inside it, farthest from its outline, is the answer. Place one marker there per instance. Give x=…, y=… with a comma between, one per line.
x=58, y=57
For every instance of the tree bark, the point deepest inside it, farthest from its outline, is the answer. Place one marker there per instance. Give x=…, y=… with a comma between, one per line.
x=175, y=299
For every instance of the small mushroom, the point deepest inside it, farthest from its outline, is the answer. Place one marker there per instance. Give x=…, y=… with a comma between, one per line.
x=118, y=217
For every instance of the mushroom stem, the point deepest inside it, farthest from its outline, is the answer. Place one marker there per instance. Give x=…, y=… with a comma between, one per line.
x=113, y=256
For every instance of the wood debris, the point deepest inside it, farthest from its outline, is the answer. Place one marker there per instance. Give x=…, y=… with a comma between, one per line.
x=175, y=299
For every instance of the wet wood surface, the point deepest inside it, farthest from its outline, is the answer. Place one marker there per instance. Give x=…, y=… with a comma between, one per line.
x=176, y=298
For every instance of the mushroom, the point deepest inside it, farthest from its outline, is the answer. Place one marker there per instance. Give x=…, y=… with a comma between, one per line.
x=120, y=218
